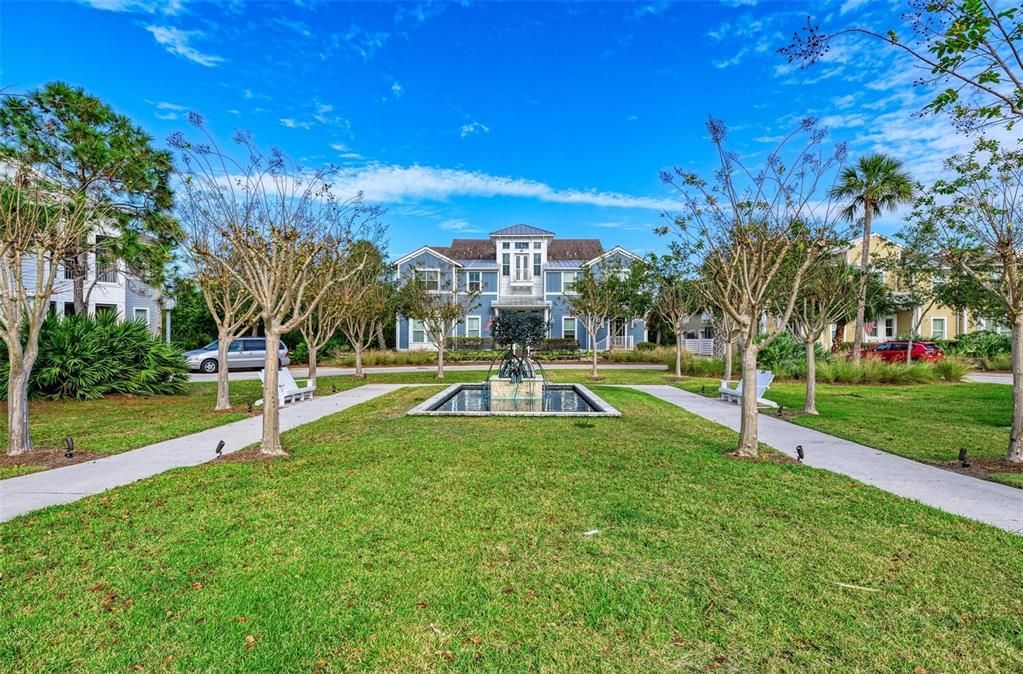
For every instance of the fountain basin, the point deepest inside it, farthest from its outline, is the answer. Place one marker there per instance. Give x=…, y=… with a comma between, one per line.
x=557, y=400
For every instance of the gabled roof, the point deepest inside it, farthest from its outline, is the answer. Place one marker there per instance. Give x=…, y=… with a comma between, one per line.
x=439, y=251
x=574, y=249
x=616, y=249
x=472, y=249
x=521, y=230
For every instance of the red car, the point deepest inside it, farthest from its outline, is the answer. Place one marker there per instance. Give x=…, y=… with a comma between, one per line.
x=895, y=352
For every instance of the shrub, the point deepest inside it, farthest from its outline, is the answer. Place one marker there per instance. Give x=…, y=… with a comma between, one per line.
x=980, y=344
x=786, y=356
x=471, y=343
x=873, y=371
x=1001, y=361
x=646, y=346
x=560, y=344
x=952, y=368
x=85, y=358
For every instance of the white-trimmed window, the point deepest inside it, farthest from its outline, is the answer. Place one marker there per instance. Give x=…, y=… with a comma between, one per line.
x=537, y=245
x=505, y=264
x=938, y=327
x=889, y=327
x=416, y=331
x=430, y=277
x=474, y=281
x=568, y=327
x=568, y=279
x=140, y=314
x=472, y=326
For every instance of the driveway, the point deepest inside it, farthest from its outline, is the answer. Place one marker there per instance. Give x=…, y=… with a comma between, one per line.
x=299, y=372
x=990, y=378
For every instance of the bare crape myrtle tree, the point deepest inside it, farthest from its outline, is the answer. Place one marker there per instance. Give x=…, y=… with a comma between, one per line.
x=752, y=235
x=286, y=231
x=40, y=224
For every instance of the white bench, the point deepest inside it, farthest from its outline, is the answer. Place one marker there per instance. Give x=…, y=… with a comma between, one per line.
x=734, y=395
x=288, y=391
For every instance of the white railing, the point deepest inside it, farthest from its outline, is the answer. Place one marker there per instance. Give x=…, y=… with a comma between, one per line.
x=701, y=347
x=616, y=343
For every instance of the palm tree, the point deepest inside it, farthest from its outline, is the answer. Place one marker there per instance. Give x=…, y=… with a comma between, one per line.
x=877, y=183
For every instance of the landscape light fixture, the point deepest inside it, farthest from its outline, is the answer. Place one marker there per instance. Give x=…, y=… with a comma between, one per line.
x=962, y=458
x=799, y=453
x=781, y=408
x=250, y=407
x=220, y=447
x=69, y=443
x=333, y=389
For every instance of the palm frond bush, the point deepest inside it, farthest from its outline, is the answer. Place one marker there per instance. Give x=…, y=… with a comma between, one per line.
x=85, y=358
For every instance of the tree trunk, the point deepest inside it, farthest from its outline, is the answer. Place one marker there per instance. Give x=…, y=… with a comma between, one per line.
x=810, y=404
x=440, y=360
x=312, y=362
x=839, y=339
x=678, y=355
x=593, y=353
x=861, y=304
x=271, y=404
x=909, y=351
x=358, y=360
x=728, y=361
x=748, y=423
x=1015, y=454
x=381, y=342
x=81, y=264
x=19, y=440
x=224, y=340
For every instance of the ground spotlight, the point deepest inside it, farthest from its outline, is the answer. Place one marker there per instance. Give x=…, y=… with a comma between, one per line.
x=799, y=453
x=69, y=444
x=220, y=448
x=962, y=458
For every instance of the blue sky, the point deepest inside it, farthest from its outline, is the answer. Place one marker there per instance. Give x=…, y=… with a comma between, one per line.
x=464, y=118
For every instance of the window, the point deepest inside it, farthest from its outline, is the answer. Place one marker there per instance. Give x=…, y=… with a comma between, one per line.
x=474, y=281
x=505, y=264
x=141, y=314
x=521, y=268
x=69, y=269
x=568, y=280
x=472, y=326
x=53, y=308
x=568, y=327
x=536, y=264
x=69, y=308
x=255, y=344
x=871, y=329
x=106, y=265
x=521, y=245
x=106, y=309
x=537, y=245
x=882, y=347
x=237, y=346
x=430, y=277
x=505, y=245
x=418, y=332
x=938, y=328
x=889, y=327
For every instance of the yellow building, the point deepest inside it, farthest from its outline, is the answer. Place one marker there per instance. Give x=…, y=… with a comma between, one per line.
x=935, y=321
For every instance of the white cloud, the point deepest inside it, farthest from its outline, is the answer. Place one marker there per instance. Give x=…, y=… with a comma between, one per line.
x=340, y=147
x=176, y=41
x=396, y=184
x=397, y=90
x=473, y=128
x=292, y=123
x=632, y=118
x=322, y=112
x=170, y=7
x=851, y=5
x=463, y=226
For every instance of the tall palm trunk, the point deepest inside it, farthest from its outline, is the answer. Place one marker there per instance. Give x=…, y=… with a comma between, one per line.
x=861, y=304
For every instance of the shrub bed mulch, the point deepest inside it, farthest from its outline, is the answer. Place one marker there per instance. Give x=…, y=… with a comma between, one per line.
x=981, y=468
x=46, y=459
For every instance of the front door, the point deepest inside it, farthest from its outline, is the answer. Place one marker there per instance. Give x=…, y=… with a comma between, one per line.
x=616, y=334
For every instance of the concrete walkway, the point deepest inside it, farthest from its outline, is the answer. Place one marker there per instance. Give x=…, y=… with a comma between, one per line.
x=303, y=372
x=989, y=378
x=19, y=495
x=989, y=502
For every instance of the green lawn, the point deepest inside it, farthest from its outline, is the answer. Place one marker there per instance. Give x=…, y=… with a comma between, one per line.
x=395, y=543
x=927, y=422
x=119, y=423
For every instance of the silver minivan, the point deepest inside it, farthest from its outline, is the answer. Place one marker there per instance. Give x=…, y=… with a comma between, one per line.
x=244, y=352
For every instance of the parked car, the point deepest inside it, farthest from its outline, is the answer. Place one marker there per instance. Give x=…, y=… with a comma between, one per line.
x=895, y=352
x=242, y=353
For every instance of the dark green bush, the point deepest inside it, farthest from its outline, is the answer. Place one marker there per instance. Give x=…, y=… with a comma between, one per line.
x=560, y=344
x=786, y=356
x=645, y=346
x=84, y=358
x=980, y=344
x=471, y=343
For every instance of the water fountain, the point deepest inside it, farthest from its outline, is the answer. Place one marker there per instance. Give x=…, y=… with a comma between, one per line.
x=520, y=387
